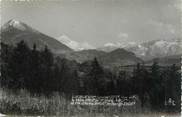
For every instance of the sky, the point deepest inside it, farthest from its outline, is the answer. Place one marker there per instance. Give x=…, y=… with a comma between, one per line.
x=95, y=23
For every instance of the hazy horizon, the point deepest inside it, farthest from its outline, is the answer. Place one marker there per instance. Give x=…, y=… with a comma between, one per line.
x=94, y=23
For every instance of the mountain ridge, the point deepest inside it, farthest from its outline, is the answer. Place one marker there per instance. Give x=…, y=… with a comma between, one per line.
x=151, y=49
x=14, y=31
x=108, y=59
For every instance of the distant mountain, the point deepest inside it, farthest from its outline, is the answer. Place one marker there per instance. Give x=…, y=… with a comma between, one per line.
x=150, y=50
x=77, y=46
x=119, y=57
x=84, y=55
x=157, y=49
x=166, y=61
x=14, y=31
x=108, y=47
x=114, y=58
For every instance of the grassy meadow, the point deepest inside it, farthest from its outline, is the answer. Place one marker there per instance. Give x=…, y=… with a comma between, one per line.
x=22, y=103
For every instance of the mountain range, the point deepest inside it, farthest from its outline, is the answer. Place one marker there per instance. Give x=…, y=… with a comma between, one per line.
x=110, y=55
x=84, y=55
x=166, y=61
x=157, y=49
x=119, y=57
x=151, y=49
x=114, y=58
x=14, y=31
x=77, y=46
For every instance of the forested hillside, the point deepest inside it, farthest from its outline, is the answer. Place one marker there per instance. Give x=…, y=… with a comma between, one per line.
x=40, y=72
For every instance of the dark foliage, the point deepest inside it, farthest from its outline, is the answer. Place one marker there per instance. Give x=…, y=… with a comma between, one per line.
x=41, y=72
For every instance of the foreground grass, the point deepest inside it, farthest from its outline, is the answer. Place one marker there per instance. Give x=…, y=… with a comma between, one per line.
x=22, y=103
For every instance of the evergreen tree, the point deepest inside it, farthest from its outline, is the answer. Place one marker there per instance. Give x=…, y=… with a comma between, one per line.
x=18, y=66
x=95, y=75
x=5, y=57
x=71, y=84
x=47, y=62
x=141, y=83
x=32, y=81
x=173, y=87
x=57, y=78
x=157, y=95
x=122, y=83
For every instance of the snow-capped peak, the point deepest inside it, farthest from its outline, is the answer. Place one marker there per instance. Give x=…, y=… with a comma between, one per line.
x=15, y=24
x=109, y=45
x=64, y=39
x=74, y=44
x=158, y=48
x=120, y=45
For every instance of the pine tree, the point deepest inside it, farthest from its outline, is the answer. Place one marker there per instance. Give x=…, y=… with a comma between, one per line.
x=173, y=87
x=95, y=74
x=18, y=66
x=141, y=82
x=47, y=62
x=33, y=81
x=5, y=56
x=157, y=94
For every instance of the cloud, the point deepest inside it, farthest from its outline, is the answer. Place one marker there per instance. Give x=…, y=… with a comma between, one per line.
x=178, y=6
x=109, y=44
x=85, y=45
x=73, y=44
x=165, y=29
x=120, y=45
x=123, y=35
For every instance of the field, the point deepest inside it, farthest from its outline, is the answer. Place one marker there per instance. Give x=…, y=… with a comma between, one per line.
x=22, y=103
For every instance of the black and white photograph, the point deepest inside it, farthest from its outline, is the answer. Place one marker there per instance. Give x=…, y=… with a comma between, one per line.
x=90, y=58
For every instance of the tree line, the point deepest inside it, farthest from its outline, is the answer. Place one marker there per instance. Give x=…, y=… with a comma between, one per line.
x=39, y=71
